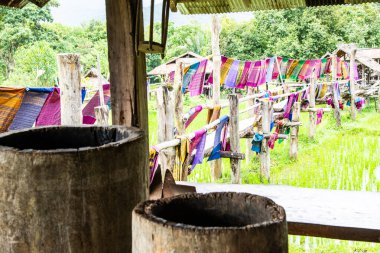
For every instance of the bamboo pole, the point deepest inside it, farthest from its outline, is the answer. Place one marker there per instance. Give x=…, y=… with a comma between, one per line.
x=264, y=154
x=216, y=166
x=70, y=81
x=178, y=98
x=293, y=153
x=352, y=82
x=335, y=96
x=312, y=113
x=234, y=137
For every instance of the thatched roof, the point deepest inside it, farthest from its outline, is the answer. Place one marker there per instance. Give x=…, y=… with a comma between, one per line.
x=22, y=3
x=225, y=6
x=186, y=58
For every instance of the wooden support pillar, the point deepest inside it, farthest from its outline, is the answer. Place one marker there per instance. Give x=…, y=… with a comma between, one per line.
x=312, y=114
x=352, y=83
x=248, y=152
x=266, y=107
x=101, y=112
x=71, y=92
x=178, y=98
x=378, y=100
x=335, y=97
x=293, y=153
x=234, y=137
x=216, y=166
x=165, y=119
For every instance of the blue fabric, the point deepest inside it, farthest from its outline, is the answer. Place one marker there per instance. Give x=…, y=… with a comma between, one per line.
x=215, y=154
x=42, y=90
x=256, y=142
x=188, y=76
x=84, y=92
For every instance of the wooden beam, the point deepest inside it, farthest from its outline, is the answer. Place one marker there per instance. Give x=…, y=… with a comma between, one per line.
x=232, y=155
x=352, y=82
x=70, y=82
x=293, y=152
x=178, y=99
x=234, y=137
x=248, y=152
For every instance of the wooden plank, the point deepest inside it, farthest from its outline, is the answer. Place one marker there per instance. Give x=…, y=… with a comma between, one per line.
x=70, y=80
x=345, y=215
x=234, y=137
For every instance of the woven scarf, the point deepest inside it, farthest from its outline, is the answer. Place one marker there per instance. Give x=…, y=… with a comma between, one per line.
x=213, y=114
x=190, y=72
x=240, y=73
x=291, y=99
x=211, y=77
x=51, y=111
x=244, y=76
x=10, y=102
x=291, y=66
x=323, y=67
x=270, y=69
x=263, y=72
x=182, y=153
x=192, y=114
x=256, y=142
x=304, y=70
x=297, y=70
x=225, y=69
x=200, y=138
x=276, y=70
x=89, y=110
x=254, y=74
x=230, y=81
x=284, y=67
x=338, y=67
x=218, y=143
x=196, y=84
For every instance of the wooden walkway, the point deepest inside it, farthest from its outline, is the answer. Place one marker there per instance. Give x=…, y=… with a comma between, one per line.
x=345, y=215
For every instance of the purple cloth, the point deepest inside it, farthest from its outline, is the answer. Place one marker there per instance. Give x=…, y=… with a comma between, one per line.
x=200, y=135
x=263, y=72
x=272, y=140
x=244, y=76
x=319, y=116
x=51, y=111
x=89, y=110
x=196, y=83
x=356, y=73
x=211, y=78
x=193, y=114
x=153, y=164
x=218, y=142
x=230, y=81
x=288, y=108
x=254, y=74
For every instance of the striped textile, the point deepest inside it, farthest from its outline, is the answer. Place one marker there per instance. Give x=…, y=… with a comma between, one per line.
x=51, y=111
x=230, y=81
x=29, y=110
x=305, y=68
x=89, y=110
x=190, y=72
x=277, y=68
x=297, y=70
x=244, y=76
x=196, y=84
x=290, y=67
x=211, y=77
x=10, y=102
x=225, y=69
x=254, y=75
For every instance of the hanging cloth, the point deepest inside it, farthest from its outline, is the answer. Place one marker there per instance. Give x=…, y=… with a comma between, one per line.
x=240, y=73
x=272, y=140
x=218, y=142
x=200, y=136
x=256, y=142
x=192, y=114
x=213, y=114
x=230, y=81
x=51, y=111
x=297, y=70
x=153, y=162
x=324, y=67
x=276, y=70
x=244, y=76
x=10, y=102
x=89, y=110
x=323, y=90
x=190, y=72
x=263, y=72
x=339, y=67
x=303, y=72
x=270, y=69
x=317, y=66
x=292, y=66
x=319, y=116
x=289, y=105
x=284, y=67
x=224, y=70
x=254, y=74
x=356, y=73
x=211, y=77
x=196, y=83
x=345, y=70
x=182, y=153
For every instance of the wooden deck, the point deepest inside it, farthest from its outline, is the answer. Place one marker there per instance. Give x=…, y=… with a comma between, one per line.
x=345, y=215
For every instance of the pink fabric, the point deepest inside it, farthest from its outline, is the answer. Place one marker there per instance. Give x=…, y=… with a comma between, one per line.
x=51, y=111
x=89, y=110
x=319, y=116
x=196, y=83
x=244, y=77
x=317, y=65
x=263, y=72
x=276, y=70
x=211, y=78
x=194, y=113
x=254, y=74
x=288, y=108
x=272, y=140
x=195, y=140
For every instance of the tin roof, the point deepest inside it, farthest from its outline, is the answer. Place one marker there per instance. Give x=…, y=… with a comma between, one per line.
x=22, y=3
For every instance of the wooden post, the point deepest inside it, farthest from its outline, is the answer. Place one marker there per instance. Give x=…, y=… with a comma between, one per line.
x=101, y=111
x=352, y=82
x=335, y=97
x=216, y=166
x=266, y=107
x=234, y=137
x=165, y=119
x=378, y=99
x=71, y=94
x=294, y=131
x=248, y=151
x=178, y=99
x=312, y=114
x=129, y=92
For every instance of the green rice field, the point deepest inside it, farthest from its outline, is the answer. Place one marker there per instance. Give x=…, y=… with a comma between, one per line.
x=339, y=159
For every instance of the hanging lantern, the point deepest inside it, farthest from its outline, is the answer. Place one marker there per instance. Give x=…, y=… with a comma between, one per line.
x=151, y=46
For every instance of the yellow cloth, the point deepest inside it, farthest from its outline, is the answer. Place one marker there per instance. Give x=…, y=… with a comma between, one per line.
x=213, y=114
x=291, y=68
x=225, y=69
x=323, y=91
x=182, y=153
x=10, y=102
x=344, y=70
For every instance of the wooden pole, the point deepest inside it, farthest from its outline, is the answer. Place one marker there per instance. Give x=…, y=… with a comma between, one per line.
x=335, y=96
x=129, y=92
x=248, y=151
x=178, y=99
x=69, y=80
x=216, y=166
x=165, y=119
x=352, y=82
x=266, y=107
x=101, y=112
x=312, y=114
x=294, y=131
x=234, y=137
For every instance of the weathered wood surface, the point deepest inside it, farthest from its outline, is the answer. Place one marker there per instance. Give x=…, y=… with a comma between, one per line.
x=346, y=215
x=352, y=82
x=234, y=137
x=71, y=92
x=178, y=98
x=216, y=222
x=248, y=152
x=335, y=97
x=101, y=115
x=293, y=152
x=63, y=189
x=266, y=107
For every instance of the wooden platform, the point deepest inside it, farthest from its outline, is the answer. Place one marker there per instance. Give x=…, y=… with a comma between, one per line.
x=345, y=215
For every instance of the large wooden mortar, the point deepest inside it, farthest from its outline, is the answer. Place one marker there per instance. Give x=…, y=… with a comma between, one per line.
x=70, y=189
x=214, y=222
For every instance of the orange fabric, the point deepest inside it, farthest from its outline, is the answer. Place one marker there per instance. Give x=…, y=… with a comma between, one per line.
x=10, y=102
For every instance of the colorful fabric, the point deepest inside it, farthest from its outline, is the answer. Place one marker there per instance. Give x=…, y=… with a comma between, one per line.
x=190, y=72
x=192, y=114
x=284, y=67
x=40, y=90
x=244, y=76
x=345, y=70
x=276, y=69
x=213, y=114
x=218, y=142
x=50, y=114
x=10, y=102
x=323, y=67
x=30, y=109
x=153, y=162
x=182, y=153
x=254, y=75
x=225, y=69
x=211, y=77
x=289, y=105
x=263, y=72
x=256, y=142
x=297, y=70
x=319, y=116
x=322, y=91
x=200, y=135
x=89, y=110
x=338, y=67
x=291, y=66
x=359, y=103
x=230, y=81
x=272, y=140
x=270, y=69
x=317, y=66
x=303, y=72
x=356, y=73
x=240, y=73
x=197, y=82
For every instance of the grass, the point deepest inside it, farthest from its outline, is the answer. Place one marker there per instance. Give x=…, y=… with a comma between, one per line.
x=346, y=158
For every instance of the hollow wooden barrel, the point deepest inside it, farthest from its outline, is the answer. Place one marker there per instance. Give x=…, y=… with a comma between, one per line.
x=214, y=222
x=70, y=189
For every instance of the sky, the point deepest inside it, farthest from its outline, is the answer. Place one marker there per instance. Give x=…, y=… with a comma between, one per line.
x=76, y=12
